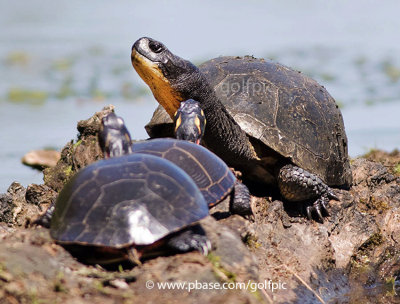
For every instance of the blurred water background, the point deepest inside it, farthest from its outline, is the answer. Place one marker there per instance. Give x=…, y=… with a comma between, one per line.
x=61, y=61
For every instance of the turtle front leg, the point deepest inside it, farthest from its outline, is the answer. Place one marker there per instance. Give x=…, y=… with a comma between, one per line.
x=297, y=184
x=45, y=219
x=240, y=200
x=192, y=238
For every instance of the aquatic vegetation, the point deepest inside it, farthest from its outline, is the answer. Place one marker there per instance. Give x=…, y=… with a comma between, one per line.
x=17, y=58
x=391, y=71
x=19, y=95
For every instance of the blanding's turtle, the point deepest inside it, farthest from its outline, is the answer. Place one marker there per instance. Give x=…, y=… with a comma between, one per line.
x=276, y=125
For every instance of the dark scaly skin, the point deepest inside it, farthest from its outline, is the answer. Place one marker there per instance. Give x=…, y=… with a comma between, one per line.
x=190, y=122
x=297, y=185
x=239, y=203
x=189, y=239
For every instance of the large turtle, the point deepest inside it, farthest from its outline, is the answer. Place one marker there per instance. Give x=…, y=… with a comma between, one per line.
x=128, y=208
x=275, y=124
x=211, y=175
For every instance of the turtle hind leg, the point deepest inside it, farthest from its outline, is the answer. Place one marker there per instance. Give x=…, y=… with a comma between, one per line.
x=240, y=200
x=189, y=239
x=297, y=184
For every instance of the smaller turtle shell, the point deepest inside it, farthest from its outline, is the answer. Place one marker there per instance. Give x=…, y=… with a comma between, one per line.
x=135, y=199
x=210, y=173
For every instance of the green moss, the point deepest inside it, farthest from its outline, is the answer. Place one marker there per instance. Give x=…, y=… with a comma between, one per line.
x=68, y=171
x=378, y=204
x=396, y=169
x=374, y=240
x=33, y=298
x=374, y=204
x=120, y=268
x=98, y=285
x=390, y=286
x=219, y=269
x=257, y=294
x=251, y=241
x=58, y=285
x=77, y=144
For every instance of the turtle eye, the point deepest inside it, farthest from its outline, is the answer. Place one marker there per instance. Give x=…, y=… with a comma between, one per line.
x=156, y=46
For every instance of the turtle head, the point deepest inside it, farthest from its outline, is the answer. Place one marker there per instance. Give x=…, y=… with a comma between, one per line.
x=170, y=78
x=190, y=121
x=114, y=137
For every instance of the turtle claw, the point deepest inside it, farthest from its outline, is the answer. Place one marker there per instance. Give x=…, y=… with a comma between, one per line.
x=318, y=206
x=318, y=210
x=308, y=210
x=205, y=248
x=332, y=195
x=323, y=205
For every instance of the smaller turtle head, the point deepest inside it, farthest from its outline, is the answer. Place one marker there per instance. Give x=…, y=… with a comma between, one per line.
x=190, y=121
x=114, y=137
x=170, y=78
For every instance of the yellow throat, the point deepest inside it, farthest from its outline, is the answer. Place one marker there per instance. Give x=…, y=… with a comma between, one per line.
x=160, y=86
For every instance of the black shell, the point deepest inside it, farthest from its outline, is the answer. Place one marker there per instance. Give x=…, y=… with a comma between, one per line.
x=208, y=171
x=135, y=199
x=284, y=109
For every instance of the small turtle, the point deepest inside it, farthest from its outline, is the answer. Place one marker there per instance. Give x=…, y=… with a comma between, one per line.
x=129, y=208
x=189, y=121
x=213, y=177
x=276, y=125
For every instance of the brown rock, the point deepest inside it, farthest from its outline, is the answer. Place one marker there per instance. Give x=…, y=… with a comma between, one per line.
x=40, y=159
x=16, y=211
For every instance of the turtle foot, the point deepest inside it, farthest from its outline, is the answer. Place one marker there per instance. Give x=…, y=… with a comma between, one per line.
x=299, y=185
x=240, y=201
x=45, y=219
x=319, y=206
x=192, y=238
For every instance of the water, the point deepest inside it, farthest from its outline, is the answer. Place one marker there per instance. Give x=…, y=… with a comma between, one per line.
x=62, y=61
